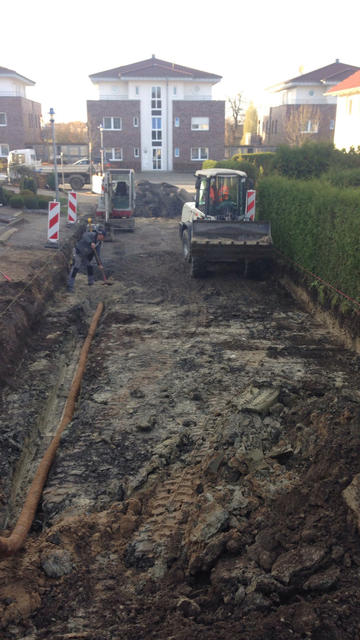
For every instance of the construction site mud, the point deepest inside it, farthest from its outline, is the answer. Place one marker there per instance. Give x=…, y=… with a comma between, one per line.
x=208, y=485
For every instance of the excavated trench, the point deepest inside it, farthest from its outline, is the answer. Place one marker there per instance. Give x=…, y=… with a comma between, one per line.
x=207, y=486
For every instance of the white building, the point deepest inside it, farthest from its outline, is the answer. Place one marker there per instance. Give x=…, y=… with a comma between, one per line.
x=347, y=129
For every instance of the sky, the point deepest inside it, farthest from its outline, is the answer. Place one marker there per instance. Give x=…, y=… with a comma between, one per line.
x=251, y=45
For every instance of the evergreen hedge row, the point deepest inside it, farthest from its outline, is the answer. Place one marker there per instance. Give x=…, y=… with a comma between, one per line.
x=316, y=225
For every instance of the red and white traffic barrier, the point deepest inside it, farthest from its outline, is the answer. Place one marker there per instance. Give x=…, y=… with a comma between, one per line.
x=72, y=207
x=53, y=223
x=250, y=205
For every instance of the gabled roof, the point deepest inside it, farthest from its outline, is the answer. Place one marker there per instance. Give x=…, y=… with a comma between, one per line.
x=154, y=68
x=347, y=86
x=325, y=76
x=9, y=73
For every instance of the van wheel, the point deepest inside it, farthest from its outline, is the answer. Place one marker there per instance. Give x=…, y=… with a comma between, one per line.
x=198, y=268
x=76, y=183
x=186, y=245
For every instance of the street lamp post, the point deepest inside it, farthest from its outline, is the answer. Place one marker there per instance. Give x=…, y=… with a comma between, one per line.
x=102, y=148
x=52, y=121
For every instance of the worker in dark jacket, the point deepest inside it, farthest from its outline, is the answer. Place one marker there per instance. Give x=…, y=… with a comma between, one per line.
x=85, y=248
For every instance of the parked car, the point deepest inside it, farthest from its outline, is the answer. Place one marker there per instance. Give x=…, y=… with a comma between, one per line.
x=82, y=161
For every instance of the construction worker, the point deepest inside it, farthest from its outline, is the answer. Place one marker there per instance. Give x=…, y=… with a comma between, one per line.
x=85, y=248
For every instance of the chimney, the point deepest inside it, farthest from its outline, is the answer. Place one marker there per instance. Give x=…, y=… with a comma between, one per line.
x=337, y=60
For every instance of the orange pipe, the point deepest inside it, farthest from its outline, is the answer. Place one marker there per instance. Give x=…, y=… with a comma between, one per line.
x=16, y=540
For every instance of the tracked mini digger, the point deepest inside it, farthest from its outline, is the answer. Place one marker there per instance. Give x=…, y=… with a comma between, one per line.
x=116, y=203
x=220, y=227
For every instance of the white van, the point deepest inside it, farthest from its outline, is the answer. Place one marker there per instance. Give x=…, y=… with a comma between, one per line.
x=21, y=157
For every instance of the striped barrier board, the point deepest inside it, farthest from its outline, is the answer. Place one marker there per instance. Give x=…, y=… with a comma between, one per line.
x=72, y=207
x=250, y=205
x=53, y=223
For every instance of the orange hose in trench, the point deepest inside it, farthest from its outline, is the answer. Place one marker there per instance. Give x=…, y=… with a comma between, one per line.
x=16, y=540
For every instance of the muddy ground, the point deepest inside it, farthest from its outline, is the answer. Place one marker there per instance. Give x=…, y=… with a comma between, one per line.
x=207, y=486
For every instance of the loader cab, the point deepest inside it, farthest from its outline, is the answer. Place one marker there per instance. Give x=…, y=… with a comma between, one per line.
x=220, y=194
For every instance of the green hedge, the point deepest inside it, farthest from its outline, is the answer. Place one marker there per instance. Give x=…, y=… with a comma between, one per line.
x=317, y=226
x=344, y=177
x=233, y=163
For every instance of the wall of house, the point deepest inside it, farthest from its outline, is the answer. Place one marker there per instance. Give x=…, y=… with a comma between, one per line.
x=127, y=139
x=307, y=94
x=23, y=128
x=347, y=128
x=12, y=87
x=184, y=138
x=283, y=126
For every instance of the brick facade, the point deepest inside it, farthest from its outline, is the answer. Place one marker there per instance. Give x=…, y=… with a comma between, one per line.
x=184, y=138
x=23, y=127
x=286, y=123
x=127, y=139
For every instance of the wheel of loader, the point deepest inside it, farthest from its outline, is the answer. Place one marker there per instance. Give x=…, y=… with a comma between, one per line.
x=186, y=245
x=198, y=268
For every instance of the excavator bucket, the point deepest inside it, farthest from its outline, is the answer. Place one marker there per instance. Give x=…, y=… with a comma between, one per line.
x=229, y=241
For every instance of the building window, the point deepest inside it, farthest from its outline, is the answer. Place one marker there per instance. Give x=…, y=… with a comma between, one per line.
x=177, y=122
x=199, y=124
x=177, y=152
x=4, y=150
x=312, y=126
x=156, y=132
x=114, y=154
x=137, y=91
x=332, y=125
x=112, y=123
x=135, y=121
x=3, y=120
x=136, y=152
x=174, y=91
x=199, y=153
x=156, y=98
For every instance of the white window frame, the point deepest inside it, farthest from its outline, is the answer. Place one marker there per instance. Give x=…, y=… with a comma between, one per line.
x=200, y=123
x=202, y=153
x=112, y=128
x=114, y=151
x=176, y=152
x=136, y=152
x=177, y=122
x=136, y=121
x=312, y=126
x=3, y=124
x=7, y=150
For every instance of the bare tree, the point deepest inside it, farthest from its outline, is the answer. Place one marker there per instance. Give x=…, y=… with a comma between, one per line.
x=233, y=125
x=301, y=124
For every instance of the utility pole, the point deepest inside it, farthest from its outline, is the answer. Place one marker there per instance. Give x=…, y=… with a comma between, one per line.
x=102, y=148
x=52, y=121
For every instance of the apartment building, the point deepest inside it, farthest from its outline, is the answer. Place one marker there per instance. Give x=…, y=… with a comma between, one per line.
x=20, y=124
x=303, y=109
x=155, y=115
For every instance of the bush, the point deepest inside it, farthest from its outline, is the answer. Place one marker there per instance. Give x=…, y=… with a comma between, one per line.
x=43, y=202
x=50, y=182
x=263, y=161
x=305, y=162
x=30, y=201
x=16, y=202
x=316, y=225
x=29, y=183
x=233, y=163
x=344, y=177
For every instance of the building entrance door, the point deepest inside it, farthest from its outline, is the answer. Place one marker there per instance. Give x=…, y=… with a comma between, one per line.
x=156, y=159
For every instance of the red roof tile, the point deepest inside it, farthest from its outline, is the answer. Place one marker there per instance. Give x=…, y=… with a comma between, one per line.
x=349, y=84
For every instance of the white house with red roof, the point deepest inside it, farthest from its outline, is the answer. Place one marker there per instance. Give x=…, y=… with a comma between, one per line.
x=347, y=129
x=155, y=115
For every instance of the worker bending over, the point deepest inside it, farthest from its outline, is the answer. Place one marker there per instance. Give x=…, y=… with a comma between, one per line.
x=85, y=248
